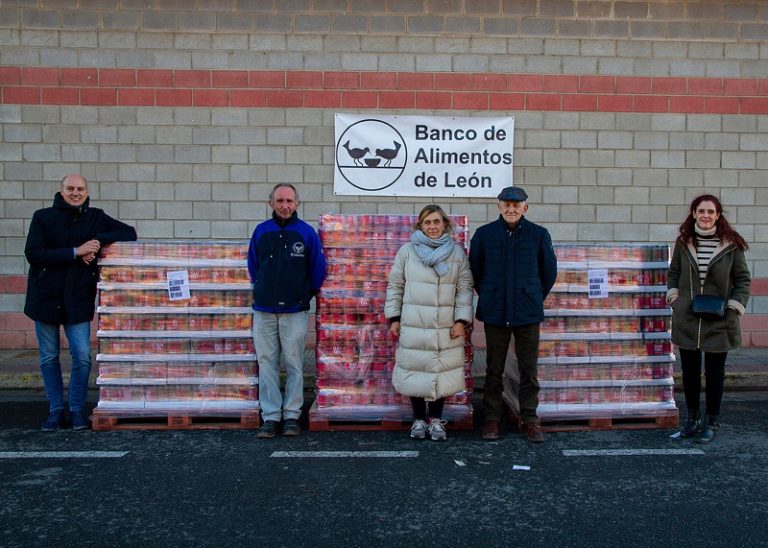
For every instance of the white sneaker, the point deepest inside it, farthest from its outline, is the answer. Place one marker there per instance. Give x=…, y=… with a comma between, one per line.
x=419, y=429
x=437, y=429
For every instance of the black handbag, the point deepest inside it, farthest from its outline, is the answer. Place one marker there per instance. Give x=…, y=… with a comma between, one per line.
x=708, y=307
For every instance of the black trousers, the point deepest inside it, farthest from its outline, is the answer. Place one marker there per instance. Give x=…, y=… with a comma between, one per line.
x=423, y=409
x=714, y=369
x=527, y=351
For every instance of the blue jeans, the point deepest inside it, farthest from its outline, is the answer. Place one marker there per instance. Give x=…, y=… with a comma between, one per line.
x=79, y=337
x=275, y=335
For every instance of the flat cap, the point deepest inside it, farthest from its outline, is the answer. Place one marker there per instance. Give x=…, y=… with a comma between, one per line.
x=513, y=194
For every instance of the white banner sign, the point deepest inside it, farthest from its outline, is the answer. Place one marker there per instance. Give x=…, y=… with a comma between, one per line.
x=422, y=156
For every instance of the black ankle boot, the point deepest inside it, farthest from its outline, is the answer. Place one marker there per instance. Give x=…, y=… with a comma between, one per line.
x=708, y=430
x=692, y=425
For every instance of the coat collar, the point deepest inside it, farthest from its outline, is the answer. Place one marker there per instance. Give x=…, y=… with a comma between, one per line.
x=505, y=228
x=723, y=247
x=60, y=203
x=285, y=222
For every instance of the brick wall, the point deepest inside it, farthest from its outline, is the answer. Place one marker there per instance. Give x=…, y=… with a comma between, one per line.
x=183, y=115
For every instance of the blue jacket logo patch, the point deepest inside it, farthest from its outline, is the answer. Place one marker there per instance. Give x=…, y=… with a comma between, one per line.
x=297, y=250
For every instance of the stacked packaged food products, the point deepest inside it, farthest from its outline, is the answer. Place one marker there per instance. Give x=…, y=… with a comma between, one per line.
x=164, y=352
x=605, y=346
x=355, y=353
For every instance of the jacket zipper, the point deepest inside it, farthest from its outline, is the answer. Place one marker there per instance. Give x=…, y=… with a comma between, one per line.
x=690, y=269
x=437, y=318
x=698, y=328
x=508, y=246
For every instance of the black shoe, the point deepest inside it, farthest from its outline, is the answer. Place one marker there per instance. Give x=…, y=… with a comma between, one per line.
x=708, y=431
x=291, y=427
x=692, y=425
x=267, y=430
x=80, y=422
x=54, y=421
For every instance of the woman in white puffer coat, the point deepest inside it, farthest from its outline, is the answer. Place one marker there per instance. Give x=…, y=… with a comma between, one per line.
x=429, y=304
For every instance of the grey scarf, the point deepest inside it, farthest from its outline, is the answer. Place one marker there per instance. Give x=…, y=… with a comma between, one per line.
x=433, y=252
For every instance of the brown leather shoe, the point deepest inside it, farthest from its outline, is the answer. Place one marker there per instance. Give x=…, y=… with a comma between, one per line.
x=491, y=430
x=533, y=432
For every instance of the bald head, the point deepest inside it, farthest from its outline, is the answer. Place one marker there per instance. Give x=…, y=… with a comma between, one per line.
x=74, y=189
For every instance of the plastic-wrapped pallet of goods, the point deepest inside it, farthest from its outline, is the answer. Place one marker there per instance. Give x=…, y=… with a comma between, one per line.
x=605, y=358
x=355, y=353
x=190, y=361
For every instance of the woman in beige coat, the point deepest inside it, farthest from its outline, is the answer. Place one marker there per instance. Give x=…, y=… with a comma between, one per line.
x=429, y=303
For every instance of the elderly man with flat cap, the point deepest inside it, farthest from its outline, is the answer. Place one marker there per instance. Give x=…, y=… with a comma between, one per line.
x=514, y=267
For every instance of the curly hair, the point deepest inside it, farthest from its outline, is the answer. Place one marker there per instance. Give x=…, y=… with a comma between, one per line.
x=723, y=228
x=430, y=209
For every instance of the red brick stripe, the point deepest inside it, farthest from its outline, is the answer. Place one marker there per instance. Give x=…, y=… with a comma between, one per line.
x=13, y=284
x=385, y=90
x=759, y=287
x=754, y=330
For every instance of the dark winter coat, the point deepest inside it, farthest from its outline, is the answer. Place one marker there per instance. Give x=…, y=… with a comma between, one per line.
x=727, y=277
x=513, y=272
x=61, y=288
x=286, y=265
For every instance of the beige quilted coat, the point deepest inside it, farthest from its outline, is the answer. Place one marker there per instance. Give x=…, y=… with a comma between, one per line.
x=429, y=363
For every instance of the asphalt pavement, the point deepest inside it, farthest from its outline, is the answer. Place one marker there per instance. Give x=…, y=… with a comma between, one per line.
x=227, y=488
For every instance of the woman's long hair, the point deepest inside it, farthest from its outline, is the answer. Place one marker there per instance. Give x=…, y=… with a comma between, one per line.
x=723, y=229
x=429, y=210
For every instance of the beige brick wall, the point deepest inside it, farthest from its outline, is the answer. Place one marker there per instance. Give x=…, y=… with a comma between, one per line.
x=204, y=171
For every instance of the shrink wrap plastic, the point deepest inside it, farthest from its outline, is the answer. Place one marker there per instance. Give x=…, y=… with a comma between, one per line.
x=606, y=355
x=158, y=355
x=355, y=353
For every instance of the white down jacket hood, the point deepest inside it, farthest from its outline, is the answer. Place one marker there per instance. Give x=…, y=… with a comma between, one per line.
x=429, y=364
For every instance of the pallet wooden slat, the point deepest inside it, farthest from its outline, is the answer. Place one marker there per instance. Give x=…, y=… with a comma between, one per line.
x=319, y=421
x=176, y=421
x=668, y=419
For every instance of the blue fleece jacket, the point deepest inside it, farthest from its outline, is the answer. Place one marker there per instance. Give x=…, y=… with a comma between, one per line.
x=286, y=265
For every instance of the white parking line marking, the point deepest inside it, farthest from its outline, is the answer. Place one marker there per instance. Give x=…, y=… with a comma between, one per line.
x=628, y=452
x=346, y=454
x=62, y=454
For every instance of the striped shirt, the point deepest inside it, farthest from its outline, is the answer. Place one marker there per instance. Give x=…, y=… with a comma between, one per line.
x=705, y=248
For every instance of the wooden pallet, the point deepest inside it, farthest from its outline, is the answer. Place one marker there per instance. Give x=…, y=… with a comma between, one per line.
x=320, y=422
x=668, y=419
x=104, y=420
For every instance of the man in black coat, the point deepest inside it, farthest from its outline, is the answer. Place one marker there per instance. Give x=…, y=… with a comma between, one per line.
x=514, y=267
x=62, y=245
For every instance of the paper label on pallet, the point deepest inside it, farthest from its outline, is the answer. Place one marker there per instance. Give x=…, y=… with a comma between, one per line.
x=178, y=285
x=598, y=283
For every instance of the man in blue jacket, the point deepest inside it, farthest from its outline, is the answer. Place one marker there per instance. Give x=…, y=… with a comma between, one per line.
x=514, y=267
x=62, y=245
x=287, y=268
